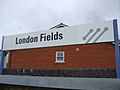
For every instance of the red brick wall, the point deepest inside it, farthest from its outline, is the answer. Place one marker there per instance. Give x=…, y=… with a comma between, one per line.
x=89, y=56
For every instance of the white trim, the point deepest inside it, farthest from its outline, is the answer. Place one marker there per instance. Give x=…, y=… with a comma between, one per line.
x=57, y=61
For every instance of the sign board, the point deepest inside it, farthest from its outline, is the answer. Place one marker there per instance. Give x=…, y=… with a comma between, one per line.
x=81, y=34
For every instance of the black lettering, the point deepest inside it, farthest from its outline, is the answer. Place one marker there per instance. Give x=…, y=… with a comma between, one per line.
x=60, y=36
x=23, y=40
x=45, y=37
x=17, y=40
x=52, y=36
x=20, y=41
x=27, y=40
x=56, y=36
x=35, y=39
x=31, y=39
x=48, y=37
x=41, y=37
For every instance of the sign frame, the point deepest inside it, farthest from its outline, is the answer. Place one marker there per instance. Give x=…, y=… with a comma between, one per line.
x=117, y=51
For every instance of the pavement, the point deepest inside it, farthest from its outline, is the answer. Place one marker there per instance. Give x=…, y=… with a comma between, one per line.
x=62, y=82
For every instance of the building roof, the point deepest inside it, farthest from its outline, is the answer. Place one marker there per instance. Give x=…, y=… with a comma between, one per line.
x=61, y=25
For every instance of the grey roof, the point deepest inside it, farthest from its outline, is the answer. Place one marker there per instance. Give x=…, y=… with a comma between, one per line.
x=61, y=25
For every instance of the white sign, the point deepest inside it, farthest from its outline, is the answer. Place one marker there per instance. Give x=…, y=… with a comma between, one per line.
x=81, y=34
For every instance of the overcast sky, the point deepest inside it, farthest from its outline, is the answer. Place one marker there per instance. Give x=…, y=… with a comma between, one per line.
x=19, y=16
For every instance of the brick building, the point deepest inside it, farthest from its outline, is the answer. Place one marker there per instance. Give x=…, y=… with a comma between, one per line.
x=76, y=60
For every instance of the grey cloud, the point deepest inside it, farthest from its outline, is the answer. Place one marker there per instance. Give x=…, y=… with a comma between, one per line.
x=18, y=16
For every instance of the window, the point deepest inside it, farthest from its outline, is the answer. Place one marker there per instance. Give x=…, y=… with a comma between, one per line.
x=60, y=57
